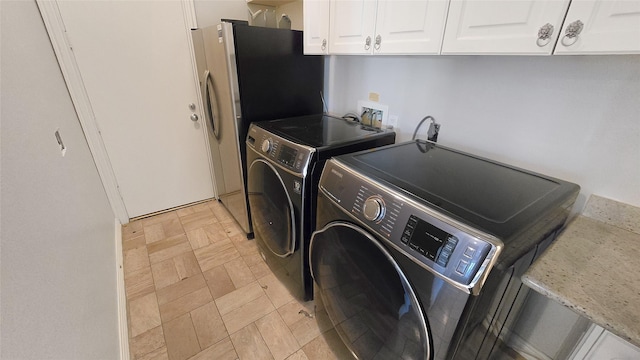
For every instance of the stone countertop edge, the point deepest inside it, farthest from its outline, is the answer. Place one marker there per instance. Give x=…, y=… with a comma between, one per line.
x=592, y=268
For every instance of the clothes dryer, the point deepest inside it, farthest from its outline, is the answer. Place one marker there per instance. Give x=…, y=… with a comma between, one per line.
x=420, y=248
x=285, y=158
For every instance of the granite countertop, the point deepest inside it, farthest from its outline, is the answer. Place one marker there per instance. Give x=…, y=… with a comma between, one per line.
x=593, y=267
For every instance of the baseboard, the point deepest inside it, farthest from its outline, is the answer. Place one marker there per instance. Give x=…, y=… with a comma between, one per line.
x=123, y=329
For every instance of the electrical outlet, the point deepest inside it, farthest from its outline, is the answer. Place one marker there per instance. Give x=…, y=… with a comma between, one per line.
x=373, y=114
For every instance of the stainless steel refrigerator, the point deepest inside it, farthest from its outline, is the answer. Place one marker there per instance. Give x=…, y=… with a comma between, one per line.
x=250, y=74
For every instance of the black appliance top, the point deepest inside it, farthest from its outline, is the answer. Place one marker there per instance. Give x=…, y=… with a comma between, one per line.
x=486, y=194
x=324, y=131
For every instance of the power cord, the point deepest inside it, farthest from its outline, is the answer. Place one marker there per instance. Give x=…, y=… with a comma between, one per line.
x=432, y=132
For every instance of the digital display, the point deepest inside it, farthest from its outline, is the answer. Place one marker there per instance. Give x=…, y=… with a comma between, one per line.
x=428, y=238
x=288, y=155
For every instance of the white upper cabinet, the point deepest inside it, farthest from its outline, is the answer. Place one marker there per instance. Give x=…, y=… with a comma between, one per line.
x=503, y=27
x=601, y=27
x=316, y=27
x=387, y=26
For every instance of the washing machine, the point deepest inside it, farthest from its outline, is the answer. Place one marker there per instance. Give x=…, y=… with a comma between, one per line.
x=420, y=247
x=285, y=158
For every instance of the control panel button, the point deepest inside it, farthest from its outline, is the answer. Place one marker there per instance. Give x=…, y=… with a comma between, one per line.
x=462, y=267
x=469, y=252
x=373, y=209
x=266, y=145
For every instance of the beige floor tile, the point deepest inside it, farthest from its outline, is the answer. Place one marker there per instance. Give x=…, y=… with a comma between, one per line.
x=139, y=283
x=208, y=324
x=147, y=342
x=253, y=259
x=198, y=220
x=182, y=342
x=164, y=273
x=216, y=254
x=159, y=218
x=327, y=346
x=159, y=354
x=181, y=288
x=276, y=291
x=277, y=336
x=232, y=228
x=305, y=322
x=198, y=214
x=298, y=355
x=245, y=247
x=185, y=304
x=215, y=233
x=135, y=259
x=186, y=265
x=219, y=282
x=249, y=344
x=172, y=270
x=172, y=227
x=219, y=211
x=185, y=211
x=239, y=272
x=132, y=230
x=239, y=297
x=168, y=248
x=198, y=238
x=144, y=314
x=260, y=270
x=134, y=243
x=153, y=233
x=222, y=350
x=246, y=314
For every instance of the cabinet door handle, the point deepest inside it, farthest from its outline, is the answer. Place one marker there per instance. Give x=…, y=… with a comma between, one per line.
x=571, y=33
x=324, y=45
x=544, y=35
x=378, y=42
x=367, y=43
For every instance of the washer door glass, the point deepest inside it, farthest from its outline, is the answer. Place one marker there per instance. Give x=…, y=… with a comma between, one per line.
x=368, y=298
x=271, y=208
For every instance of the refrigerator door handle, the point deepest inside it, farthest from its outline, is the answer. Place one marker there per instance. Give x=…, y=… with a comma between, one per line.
x=211, y=109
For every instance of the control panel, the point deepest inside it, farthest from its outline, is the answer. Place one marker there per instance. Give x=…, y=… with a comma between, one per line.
x=414, y=228
x=293, y=157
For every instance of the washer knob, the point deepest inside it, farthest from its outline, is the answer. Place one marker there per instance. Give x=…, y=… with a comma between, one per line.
x=266, y=145
x=373, y=208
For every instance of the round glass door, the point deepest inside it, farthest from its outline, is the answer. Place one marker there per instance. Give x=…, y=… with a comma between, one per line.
x=271, y=208
x=367, y=297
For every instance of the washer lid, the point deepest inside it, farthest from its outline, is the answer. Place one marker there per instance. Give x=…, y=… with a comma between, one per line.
x=321, y=130
x=495, y=197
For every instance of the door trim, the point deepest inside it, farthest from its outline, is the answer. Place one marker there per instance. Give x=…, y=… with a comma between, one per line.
x=66, y=60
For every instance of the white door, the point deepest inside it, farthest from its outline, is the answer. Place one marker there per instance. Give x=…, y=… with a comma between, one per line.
x=135, y=61
x=316, y=27
x=352, y=26
x=410, y=26
x=610, y=27
x=502, y=27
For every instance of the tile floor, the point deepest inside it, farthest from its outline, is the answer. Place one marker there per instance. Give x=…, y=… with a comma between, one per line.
x=198, y=289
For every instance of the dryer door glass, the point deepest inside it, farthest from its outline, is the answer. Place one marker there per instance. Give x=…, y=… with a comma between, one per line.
x=368, y=298
x=271, y=208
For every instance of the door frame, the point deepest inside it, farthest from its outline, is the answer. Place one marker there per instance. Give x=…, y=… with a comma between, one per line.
x=71, y=73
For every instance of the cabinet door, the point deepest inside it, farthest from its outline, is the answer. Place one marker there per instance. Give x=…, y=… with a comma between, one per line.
x=409, y=26
x=611, y=26
x=352, y=23
x=316, y=26
x=502, y=27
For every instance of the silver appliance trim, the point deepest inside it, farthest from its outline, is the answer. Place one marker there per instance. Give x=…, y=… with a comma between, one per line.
x=483, y=271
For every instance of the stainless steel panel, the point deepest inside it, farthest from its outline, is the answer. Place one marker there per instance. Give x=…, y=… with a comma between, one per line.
x=225, y=146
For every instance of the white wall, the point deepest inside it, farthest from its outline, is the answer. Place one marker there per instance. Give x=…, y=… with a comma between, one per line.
x=58, y=265
x=209, y=12
x=576, y=118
